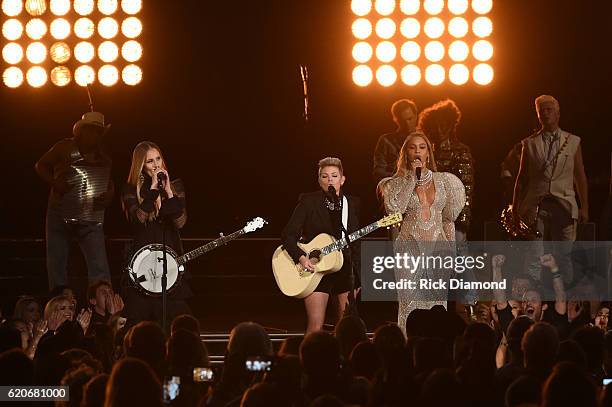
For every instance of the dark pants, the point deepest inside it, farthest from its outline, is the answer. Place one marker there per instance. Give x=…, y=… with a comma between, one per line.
x=140, y=307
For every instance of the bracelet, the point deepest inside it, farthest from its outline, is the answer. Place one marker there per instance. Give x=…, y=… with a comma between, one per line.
x=556, y=275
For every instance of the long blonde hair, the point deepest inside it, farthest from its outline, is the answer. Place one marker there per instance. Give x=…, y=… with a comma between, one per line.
x=136, y=176
x=402, y=161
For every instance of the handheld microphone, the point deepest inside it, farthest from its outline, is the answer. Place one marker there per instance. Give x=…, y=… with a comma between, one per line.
x=332, y=191
x=418, y=170
x=161, y=177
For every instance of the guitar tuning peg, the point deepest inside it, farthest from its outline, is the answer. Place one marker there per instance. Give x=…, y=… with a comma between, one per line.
x=221, y=234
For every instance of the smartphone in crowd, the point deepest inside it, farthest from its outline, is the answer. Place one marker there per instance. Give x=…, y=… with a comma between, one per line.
x=171, y=388
x=259, y=364
x=203, y=374
x=606, y=381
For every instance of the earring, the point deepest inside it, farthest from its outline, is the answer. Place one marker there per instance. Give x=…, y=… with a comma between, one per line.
x=141, y=177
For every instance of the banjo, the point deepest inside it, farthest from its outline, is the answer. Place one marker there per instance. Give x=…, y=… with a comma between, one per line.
x=146, y=267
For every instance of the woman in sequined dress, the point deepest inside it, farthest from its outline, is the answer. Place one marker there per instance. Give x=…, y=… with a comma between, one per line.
x=430, y=206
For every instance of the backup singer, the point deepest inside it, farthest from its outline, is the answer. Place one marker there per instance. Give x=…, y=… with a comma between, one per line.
x=430, y=206
x=149, y=209
x=318, y=212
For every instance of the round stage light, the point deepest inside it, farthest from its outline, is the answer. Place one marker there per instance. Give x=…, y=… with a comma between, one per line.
x=36, y=8
x=12, y=77
x=483, y=74
x=434, y=27
x=59, y=8
x=36, y=53
x=107, y=7
x=482, y=50
x=385, y=28
x=84, y=28
x=36, y=76
x=433, y=7
x=12, y=8
x=108, y=75
x=434, y=51
x=411, y=75
x=458, y=27
x=84, y=7
x=362, y=52
x=131, y=27
x=131, y=6
x=60, y=28
x=410, y=27
x=362, y=28
x=12, y=53
x=362, y=75
x=386, y=75
x=84, y=52
x=12, y=29
x=434, y=74
x=458, y=6
x=108, y=51
x=458, y=51
x=410, y=7
x=361, y=7
x=458, y=74
x=60, y=76
x=36, y=28
x=108, y=28
x=131, y=51
x=386, y=51
x=410, y=51
x=482, y=6
x=384, y=7
x=84, y=75
x=132, y=75
x=482, y=27
x=60, y=52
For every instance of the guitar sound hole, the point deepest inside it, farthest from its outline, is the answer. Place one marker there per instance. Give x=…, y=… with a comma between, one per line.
x=314, y=256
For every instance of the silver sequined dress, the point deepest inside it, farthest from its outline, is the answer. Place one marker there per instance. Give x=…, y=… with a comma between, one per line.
x=420, y=237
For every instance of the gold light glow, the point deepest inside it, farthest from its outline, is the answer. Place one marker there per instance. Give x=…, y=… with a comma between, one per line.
x=108, y=51
x=433, y=7
x=108, y=28
x=434, y=51
x=384, y=7
x=131, y=51
x=36, y=77
x=108, y=75
x=36, y=28
x=385, y=28
x=36, y=8
x=483, y=74
x=410, y=7
x=361, y=7
x=84, y=7
x=131, y=75
x=59, y=8
x=362, y=28
x=84, y=75
x=458, y=6
x=131, y=6
x=458, y=27
x=410, y=51
x=60, y=28
x=36, y=53
x=458, y=51
x=107, y=7
x=482, y=27
x=410, y=27
x=435, y=74
x=12, y=77
x=482, y=6
x=362, y=52
x=411, y=75
x=12, y=29
x=482, y=50
x=84, y=28
x=386, y=75
x=459, y=74
x=131, y=27
x=60, y=52
x=12, y=8
x=12, y=53
x=386, y=51
x=434, y=27
x=362, y=75
x=60, y=76
x=84, y=52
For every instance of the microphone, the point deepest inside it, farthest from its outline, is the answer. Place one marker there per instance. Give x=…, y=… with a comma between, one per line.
x=418, y=170
x=332, y=191
x=161, y=177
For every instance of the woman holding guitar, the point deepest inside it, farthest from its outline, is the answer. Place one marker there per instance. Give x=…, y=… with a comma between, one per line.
x=329, y=211
x=151, y=204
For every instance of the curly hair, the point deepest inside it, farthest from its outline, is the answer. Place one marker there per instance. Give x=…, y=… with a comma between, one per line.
x=444, y=114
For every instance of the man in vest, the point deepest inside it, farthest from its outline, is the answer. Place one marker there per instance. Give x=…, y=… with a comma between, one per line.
x=551, y=173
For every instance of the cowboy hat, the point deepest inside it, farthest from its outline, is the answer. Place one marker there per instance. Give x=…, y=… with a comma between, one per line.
x=90, y=119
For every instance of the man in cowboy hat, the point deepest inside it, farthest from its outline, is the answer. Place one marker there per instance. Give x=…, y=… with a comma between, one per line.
x=78, y=161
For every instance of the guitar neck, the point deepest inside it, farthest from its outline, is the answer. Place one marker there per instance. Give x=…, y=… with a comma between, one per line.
x=342, y=243
x=208, y=247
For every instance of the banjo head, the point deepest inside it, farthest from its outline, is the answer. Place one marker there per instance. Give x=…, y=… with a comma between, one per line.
x=146, y=269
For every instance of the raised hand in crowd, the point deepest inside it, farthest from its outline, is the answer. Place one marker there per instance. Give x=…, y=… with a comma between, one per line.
x=114, y=304
x=549, y=261
x=84, y=318
x=56, y=319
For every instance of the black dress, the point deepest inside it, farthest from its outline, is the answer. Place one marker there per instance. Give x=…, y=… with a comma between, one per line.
x=138, y=306
x=312, y=217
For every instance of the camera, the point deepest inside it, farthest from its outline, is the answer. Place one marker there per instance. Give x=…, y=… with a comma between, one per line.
x=171, y=388
x=203, y=374
x=258, y=364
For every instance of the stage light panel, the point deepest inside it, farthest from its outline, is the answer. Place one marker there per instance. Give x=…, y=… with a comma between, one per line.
x=131, y=51
x=458, y=51
x=60, y=28
x=59, y=8
x=36, y=76
x=84, y=7
x=132, y=75
x=36, y=53
x=482, y=6
x=12, y=53
x=386, y=51
x=410, y=7
x=361, y=7
x=108, y=28
x=131, y=27
x=12, y=77
x=434, y=27
x=385, y=28
x=433, y=7
x=482, y=27
x=435, y=74
x=60, y=76
x=458, y=7
x=434, y=51
x=108, y=7
x=108, y=51
x=362, y=28
x=131, y=6
x=362, y=52
x=384, y=7
x=483, y=74
x=36, y=28
x=362, y=75
x=108, y=75
x=12, y=29
x=84, y=75
x=410, y=27
x=411, y=75
x=458, y=27
x=410, y=51
x=84, y=28
x=36, y=8
x=60, y=52
x=12, y=8
x=459, y=74
x=84, y=52
x=386, y=75
x=482, y=50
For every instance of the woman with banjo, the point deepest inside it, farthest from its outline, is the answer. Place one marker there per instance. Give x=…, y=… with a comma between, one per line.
x=155, y=208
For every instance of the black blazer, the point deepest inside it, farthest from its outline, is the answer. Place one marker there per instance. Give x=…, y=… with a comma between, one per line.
x=311, y=218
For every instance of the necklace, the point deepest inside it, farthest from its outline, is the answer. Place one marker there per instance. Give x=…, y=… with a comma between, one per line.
x=425, y=179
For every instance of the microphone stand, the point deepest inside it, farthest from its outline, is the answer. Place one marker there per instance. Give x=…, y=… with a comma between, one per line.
x=164, y=278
